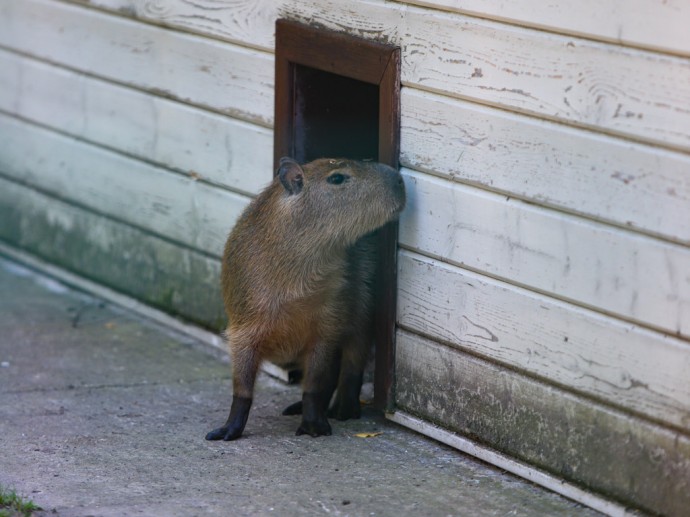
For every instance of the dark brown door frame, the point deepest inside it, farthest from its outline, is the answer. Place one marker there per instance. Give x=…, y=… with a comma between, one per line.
x=370, y=62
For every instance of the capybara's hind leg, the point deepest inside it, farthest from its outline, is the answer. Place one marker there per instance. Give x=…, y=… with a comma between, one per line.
x=346, y=404
x=245, y=364
x=293, y=409
x=354, y=357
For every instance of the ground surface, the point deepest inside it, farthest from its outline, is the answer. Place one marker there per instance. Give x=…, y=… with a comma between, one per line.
x=104, y=413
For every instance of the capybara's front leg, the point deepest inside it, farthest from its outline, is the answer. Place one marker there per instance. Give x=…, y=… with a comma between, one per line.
x=296, y=407
x=245, y=364
x=320, y=379
x=314, y=421
x=239, y=412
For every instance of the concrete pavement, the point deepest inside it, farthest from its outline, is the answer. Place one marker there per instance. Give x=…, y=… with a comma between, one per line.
x=104, y=413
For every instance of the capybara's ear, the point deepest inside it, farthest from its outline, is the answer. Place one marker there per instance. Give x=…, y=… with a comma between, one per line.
x=291, y=175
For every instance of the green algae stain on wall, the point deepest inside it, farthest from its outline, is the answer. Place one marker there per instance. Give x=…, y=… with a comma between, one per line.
x=168, y=276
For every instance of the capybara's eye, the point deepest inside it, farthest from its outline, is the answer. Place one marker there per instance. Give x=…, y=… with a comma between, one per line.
x=337, y=178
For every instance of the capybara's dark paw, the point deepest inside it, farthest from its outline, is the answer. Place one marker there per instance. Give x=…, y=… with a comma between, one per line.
x=345, y=411
x=314, y=428
x=232, y=430
x=293, y=409
x=226, y=433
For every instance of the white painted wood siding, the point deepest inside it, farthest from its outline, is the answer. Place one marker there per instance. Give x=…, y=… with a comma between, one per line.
x=611, y=360
x=636, y=186
x=231, y=79
x=592, y=264
x=546, y=150
x=657, y=25
x=206, y=145
x=174, y=205
x=606, y=87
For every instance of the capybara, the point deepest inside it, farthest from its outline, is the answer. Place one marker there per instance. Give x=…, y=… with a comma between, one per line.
x=297, y=279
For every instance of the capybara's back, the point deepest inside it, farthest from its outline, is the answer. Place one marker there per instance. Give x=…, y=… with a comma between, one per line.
x=297, y=274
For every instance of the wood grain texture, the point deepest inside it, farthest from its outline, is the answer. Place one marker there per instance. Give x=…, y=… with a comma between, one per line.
x=171, y=205
x=245, y=22
x=636, y=462
x=232, y=80
x=618, y=272
x=615, y=90
x=175, y=279
x=211, y=147
x=609, y=88
x=622, y=364
x=635, y=186
x=651, y=24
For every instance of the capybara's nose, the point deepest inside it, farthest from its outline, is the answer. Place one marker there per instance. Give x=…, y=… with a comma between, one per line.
x=391, y=174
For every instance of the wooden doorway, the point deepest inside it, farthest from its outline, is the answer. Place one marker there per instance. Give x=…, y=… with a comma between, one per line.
x=339, y=96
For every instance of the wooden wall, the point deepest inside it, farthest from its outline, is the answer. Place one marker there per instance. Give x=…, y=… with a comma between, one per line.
x=544, y=271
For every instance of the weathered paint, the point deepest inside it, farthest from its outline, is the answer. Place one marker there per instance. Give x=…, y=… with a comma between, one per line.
x=626, y=458
x=617, y=362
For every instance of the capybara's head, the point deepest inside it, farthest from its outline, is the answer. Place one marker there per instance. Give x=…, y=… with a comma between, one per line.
x=345, y=199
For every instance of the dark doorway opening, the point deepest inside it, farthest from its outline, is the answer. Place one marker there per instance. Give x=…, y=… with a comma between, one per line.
x=335, y=116
x=337, y=95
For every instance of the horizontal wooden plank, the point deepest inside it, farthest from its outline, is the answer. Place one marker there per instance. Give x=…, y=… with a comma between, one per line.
x=173, y=278
x=233, y=80
x=615, y=271
x=632, y=185
x=216, y=148
x=171, y=205
x=634, y=461
x=245, y=22
x=564, y=78
x=651, y=24
x=624, y=365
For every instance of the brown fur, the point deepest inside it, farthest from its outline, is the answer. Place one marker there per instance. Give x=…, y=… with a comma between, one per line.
x=296, y=279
